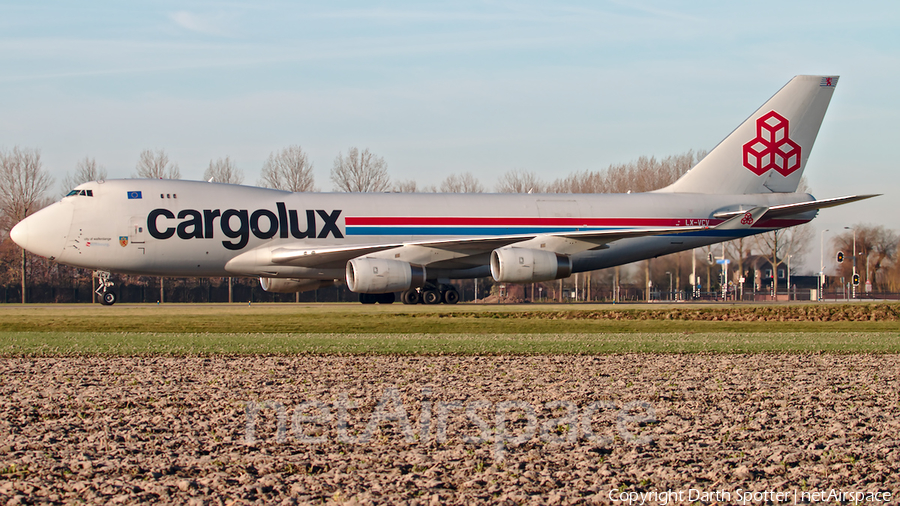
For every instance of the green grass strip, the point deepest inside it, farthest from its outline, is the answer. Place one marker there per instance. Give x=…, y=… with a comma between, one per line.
x=537, y=319
x=184, y=344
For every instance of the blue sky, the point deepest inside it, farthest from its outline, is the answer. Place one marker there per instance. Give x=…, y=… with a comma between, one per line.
x=440, y=88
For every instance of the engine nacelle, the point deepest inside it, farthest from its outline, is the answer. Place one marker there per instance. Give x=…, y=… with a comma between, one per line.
x=285, y=285
x=378, y=275
x=523, y=265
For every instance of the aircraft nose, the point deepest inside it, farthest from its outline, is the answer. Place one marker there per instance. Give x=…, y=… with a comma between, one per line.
x=44, y=232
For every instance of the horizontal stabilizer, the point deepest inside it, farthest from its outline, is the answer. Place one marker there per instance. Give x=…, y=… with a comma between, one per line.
x=743, y=219
x=800, y=207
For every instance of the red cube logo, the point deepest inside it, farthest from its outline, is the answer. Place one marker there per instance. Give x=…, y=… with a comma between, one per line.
x=772, y=149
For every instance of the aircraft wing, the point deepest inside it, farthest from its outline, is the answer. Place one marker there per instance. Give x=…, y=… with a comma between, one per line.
x=432, y=251
x=800, y=207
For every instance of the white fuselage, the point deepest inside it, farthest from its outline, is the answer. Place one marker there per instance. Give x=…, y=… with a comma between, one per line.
x=190, y=228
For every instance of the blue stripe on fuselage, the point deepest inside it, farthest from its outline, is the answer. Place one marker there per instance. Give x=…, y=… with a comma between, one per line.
x=463, y=231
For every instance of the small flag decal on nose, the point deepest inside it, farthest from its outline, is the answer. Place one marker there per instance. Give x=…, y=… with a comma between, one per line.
x=134, y=195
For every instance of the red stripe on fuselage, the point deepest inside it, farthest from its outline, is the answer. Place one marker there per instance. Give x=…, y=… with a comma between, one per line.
x=521, y=222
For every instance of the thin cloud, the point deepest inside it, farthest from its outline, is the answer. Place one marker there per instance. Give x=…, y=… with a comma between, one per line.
x=660, y=13
x=206, y=25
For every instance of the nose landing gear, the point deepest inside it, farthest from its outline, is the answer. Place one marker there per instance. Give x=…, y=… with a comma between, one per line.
x=104, y=285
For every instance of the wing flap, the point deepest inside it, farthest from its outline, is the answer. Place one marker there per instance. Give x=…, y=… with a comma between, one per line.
x=569, y=243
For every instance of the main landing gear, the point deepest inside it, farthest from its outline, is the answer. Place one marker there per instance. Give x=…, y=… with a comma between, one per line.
x=104, y=285
x=431, y=294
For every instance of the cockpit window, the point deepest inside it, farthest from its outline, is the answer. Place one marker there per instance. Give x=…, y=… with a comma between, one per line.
x=85, y=193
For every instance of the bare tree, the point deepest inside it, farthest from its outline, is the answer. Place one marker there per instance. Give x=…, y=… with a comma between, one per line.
x=580, y=182
x=223, y=170
x=778, y=245
x=876, y=248
x=519, y=181
x=23, y=183
x=289, y=169
x=461, y=183
x=86, y=170
x=641, y=175
x=892, y=272
x=793, y=242
x=738, y=250
x=410, y=186
x=405, y=186
x=155, y=165
x=359, y=172
x=883, y=254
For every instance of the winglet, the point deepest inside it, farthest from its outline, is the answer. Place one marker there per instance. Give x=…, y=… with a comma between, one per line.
x=744, y=220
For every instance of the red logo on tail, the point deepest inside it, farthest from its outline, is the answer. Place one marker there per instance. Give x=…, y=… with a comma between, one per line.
x=772, y=149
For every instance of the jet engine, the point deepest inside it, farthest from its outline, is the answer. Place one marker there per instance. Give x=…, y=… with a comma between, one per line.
x=523, y=265
x=285, y=285
x=377, y=275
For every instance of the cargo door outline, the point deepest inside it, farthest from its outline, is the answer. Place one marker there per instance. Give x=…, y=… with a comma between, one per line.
x=138, y=231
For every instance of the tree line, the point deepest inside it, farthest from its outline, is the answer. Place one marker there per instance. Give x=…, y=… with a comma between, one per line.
x=26, y=188
x=363, y=171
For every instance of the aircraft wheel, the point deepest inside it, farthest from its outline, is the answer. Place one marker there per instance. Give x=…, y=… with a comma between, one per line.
x=451, y=296
x=410, y=297
x=108, y=298
x=432, y=297
x=386, y=298
x=366, y=298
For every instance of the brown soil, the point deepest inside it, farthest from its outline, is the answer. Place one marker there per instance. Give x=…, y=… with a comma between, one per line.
x=784, y=313
x=174, y=430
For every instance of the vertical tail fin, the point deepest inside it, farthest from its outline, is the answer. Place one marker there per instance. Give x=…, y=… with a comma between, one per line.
x=768, y=152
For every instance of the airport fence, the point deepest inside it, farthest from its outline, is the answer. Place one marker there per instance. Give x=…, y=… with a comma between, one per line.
x=215, y=290
x=178, y=290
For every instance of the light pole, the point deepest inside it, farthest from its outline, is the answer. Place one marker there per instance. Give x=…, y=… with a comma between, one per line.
x=852, y=279
x=694, y=293
x=854, y=264
x=789, y=277
x=822, y=265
